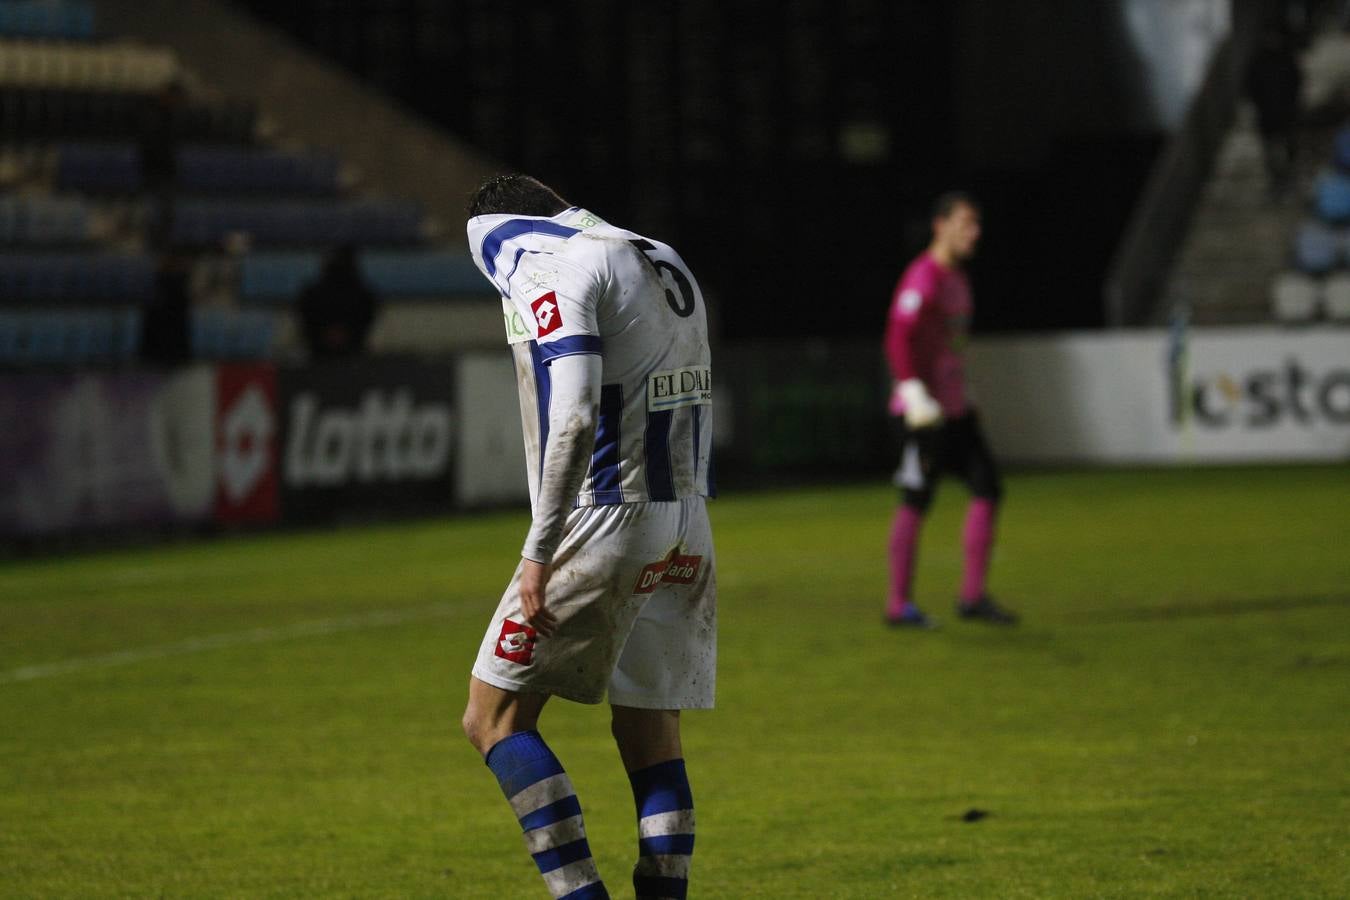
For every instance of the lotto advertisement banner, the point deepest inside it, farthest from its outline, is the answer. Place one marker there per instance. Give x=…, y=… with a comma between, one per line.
x=376, y=436
x=1207, y=395
x=246, y=444
x=95, y=452
x=238, y=444
x=490, y=469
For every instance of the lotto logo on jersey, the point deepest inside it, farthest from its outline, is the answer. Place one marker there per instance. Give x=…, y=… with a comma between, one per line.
x=547, y=314
x=674, y=569
x=516, y=643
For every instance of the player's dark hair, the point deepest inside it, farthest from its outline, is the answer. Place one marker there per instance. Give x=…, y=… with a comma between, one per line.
x=946, y=204
x=518, y=194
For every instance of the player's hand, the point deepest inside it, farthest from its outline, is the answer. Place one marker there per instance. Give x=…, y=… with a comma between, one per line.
x=533, y=582
x=921, y=410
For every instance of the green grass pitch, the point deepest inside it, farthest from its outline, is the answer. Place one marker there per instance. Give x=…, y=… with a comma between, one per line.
x=277, y=716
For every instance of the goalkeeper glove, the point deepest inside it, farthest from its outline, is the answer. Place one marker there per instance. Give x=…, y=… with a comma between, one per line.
x=921, y=410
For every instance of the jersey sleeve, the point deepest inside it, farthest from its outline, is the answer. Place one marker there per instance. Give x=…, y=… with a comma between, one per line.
x=559, y=298
x=573, y=411
x=912, y=304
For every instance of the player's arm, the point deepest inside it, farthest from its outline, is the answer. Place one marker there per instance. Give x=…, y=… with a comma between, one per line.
x=903, y=334
x=570, y=347
x=573, y=410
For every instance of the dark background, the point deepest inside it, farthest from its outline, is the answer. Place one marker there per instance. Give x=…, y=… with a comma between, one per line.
x=791, y=150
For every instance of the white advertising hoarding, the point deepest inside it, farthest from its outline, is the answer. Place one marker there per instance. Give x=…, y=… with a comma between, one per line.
x=491, y=457
x=1212, y=395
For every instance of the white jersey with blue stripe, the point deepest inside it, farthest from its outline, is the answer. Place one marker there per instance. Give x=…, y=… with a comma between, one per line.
x=572, y=284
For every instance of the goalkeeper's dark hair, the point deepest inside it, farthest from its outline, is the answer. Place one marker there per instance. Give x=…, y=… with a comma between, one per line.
x=516, y=194
x=947, y=203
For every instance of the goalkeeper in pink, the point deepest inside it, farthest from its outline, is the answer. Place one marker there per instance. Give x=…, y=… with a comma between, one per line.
x=938, y=430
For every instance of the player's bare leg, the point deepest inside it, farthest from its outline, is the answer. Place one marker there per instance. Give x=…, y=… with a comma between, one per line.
x=649, y=744
x=493, y=714
x=646, y=736
x=501, y=725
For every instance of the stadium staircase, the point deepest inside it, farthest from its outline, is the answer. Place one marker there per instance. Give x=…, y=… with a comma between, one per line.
x=255, y=208
x=1242, y=241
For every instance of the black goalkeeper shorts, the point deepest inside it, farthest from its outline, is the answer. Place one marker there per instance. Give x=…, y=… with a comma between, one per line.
x=956, y=447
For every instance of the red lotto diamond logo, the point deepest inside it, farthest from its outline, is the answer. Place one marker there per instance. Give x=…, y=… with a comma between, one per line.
x=547, y=314
x=516, y=643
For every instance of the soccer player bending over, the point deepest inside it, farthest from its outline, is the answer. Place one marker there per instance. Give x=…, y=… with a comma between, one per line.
x=937, y=427
x=615, y=591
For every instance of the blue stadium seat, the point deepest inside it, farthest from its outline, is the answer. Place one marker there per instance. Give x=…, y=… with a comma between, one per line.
x=234, y=169
x=276, y=275
x=429, y=274
x=298, y=222
x=1341, y=149
x=70, y=337
x=1331, y=196
x=101, y=277
x=109, y=167
x=279, y=276
x=1317, y=248
x=43, y=220
x=31, y=113
x=68, y=20
x=231, y=334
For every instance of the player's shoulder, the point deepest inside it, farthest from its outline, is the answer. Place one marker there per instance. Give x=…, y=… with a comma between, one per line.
x=922, y=272
x=918, y=283
x=615, y=254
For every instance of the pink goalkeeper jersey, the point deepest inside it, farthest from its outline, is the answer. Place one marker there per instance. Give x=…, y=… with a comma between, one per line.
x=926, y=333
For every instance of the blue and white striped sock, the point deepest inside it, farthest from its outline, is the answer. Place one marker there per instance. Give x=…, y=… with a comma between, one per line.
x=542, y=798
x=665, y=810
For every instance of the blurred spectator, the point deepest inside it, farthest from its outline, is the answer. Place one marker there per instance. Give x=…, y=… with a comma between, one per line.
x=160, y=128
x=165, y=336
x=1274, y=81
x=338, y=310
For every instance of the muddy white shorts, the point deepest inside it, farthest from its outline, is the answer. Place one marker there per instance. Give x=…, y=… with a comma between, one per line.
x=635, y=593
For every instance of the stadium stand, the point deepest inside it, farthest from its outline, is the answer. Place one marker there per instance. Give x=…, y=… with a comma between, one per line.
x=40, y=114
x=84, y=219
x=79, y=337
x=236, y=170
x=271, y=277
x=1245, y=248
x=1320, y=255
x=1336, y=298
x=1332, y=197
x=1294, y=298
x=304, y=222
x=73, y=21
x=42, y=279
x=1317, y=248
x=111, y=68
x=43, y=220
x=231, y=334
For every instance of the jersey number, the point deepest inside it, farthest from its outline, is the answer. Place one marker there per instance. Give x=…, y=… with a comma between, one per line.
x=683, y=304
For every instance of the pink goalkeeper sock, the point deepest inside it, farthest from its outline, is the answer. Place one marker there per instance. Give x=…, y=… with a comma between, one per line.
x=904, y=540
x=978, y=539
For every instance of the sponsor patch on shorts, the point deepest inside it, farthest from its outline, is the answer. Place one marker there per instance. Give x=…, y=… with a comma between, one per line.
x=674, y=569
x=516, y=643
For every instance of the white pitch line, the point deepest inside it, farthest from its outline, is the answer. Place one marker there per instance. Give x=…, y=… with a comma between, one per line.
x=312, y=628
